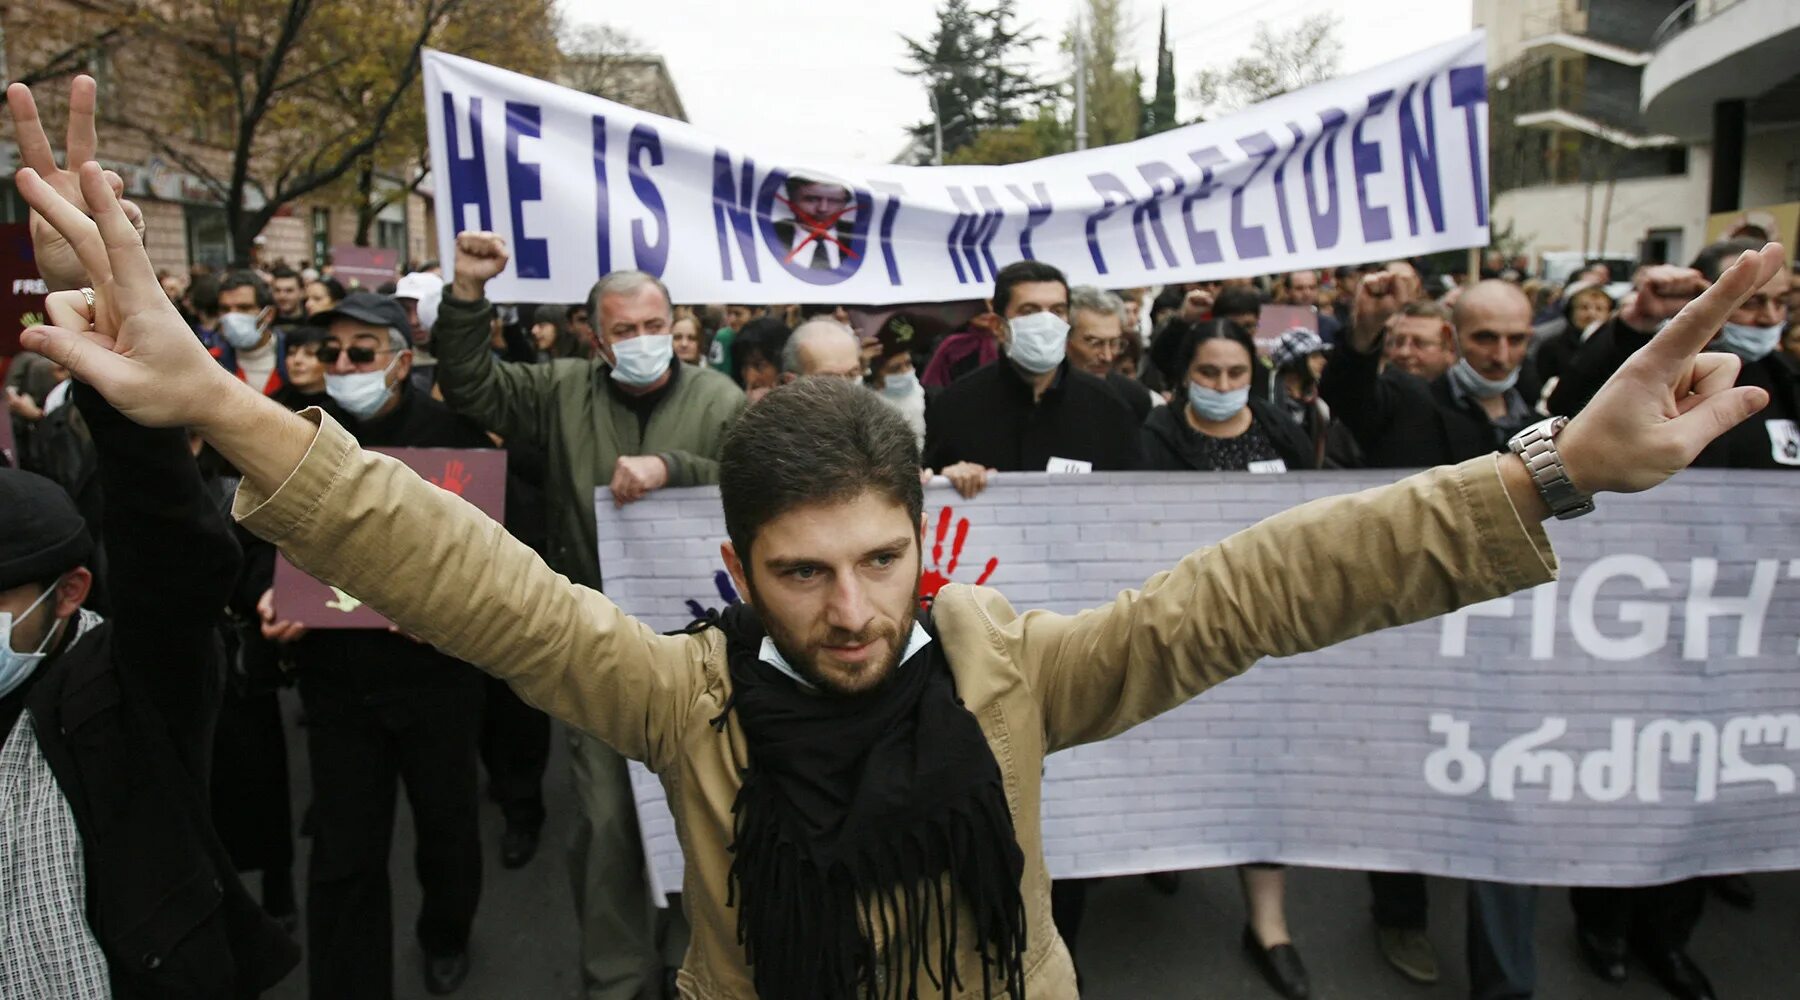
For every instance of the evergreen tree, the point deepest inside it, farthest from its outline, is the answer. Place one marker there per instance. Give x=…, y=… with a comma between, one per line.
x=1159, y=114
x=971, y=67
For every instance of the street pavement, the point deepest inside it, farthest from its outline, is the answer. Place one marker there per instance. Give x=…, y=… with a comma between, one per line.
x=1136, y=943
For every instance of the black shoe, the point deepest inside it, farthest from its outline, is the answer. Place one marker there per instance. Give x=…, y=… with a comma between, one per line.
x=1734, y=889
x=278, y=899
x=1604, y=955
x=1167, y=883
x=445, y=973
x=518, y=845
x=1279, y=965
x=1677, y=973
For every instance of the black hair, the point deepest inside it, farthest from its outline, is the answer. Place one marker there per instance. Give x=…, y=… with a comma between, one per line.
x=284, y=271
x=1222, y=329
x=808, y=310
x=1714, y=258
x=1021, y=272
x=203, y=294
x=1236, y=301
x=245, y=279
x=761, y=338
x=812, y=441
x=333, y=287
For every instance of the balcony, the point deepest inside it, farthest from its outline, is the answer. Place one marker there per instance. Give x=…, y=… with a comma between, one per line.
x=1577, y=93
x=1709, y=51
x=1617, y=31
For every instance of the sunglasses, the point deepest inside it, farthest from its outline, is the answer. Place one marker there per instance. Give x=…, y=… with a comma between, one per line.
x=328, y=353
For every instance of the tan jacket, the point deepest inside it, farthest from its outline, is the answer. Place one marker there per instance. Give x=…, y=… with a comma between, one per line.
x=1037, y=682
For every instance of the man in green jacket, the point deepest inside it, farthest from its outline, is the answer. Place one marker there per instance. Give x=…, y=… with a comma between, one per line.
x=633, y=419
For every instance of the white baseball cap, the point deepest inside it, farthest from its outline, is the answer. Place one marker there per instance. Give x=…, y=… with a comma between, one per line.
x=418, y=285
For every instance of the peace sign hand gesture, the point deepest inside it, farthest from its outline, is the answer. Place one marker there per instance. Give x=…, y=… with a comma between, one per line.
x=131, y=345
x=57, y=261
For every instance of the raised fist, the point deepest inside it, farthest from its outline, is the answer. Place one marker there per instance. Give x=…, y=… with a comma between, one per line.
x=1661, y=293
x=480, y=257
x=1196, y=305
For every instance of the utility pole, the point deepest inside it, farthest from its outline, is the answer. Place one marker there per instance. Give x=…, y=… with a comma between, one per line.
x=1081, y=123
x=937, y=130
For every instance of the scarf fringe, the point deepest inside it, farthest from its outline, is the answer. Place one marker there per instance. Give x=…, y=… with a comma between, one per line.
x=898, y=890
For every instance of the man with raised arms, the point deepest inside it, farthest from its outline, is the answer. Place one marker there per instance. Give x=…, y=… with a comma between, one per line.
x=856, y=783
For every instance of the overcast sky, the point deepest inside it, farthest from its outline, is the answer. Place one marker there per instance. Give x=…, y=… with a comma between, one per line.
x=823, y=78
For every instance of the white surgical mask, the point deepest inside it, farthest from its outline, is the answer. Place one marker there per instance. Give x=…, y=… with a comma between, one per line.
x=361, y=394
x=1473, y=384
x=1752, y=343
x=15, y=667
x=1039, y=341
x=900, y=385
x=241, y=330
x=643, y=359
x=1211, y=404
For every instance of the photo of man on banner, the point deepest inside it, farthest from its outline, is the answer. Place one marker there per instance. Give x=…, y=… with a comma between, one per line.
x=819, y=218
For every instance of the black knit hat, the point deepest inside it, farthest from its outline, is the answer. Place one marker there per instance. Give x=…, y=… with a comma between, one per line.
x=42, y=535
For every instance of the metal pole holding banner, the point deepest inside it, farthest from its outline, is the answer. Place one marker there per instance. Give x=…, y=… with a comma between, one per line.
x=1080, y=82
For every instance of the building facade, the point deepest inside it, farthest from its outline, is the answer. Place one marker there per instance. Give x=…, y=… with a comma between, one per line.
x=1592, y=153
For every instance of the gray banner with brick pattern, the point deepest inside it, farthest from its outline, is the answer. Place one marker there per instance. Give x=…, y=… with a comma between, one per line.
x=1636, y=722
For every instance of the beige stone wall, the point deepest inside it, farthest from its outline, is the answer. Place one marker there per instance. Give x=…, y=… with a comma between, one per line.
x=165, y=236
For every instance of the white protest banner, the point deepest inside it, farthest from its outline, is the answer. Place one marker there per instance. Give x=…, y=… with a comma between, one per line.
x=1636, y=722
x=1385, y=163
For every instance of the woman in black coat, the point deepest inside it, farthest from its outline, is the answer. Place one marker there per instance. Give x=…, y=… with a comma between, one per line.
x=1220, y=420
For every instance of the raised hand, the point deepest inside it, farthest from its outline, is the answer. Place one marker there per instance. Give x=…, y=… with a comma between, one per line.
x=57, y=261
x=1669, y=401
x=480, y=257
x=1662, y=293
x=1378, y=297
x=131, y=345
x=1196, y=305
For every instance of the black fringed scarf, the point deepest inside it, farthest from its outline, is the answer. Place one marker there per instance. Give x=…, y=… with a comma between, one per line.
x=851, y=812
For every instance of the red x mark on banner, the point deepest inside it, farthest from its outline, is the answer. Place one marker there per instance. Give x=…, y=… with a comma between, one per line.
x=816, y=228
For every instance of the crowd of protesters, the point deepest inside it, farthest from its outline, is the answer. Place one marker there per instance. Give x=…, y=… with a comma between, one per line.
x=634, y=392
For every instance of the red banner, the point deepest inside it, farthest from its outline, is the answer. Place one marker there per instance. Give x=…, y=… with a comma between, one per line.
x=21, y=289
x=476, y=475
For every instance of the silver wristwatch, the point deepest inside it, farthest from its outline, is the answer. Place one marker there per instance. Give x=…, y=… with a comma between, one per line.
x=1536, y=445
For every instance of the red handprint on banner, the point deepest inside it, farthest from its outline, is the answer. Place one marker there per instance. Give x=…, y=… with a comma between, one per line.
x=456, y=477
x=933, y=579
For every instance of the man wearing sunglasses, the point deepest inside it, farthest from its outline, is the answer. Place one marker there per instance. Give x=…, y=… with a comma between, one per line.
x=382, y=706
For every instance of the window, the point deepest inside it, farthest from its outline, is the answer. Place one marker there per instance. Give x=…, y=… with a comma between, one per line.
x=391, y=235
x=208, y=236
x=321, y=234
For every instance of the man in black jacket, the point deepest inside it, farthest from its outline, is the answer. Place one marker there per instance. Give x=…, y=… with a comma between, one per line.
x=109, y=735
x=1030, y=411
x=1655, y=923
x=108, y=722
x=1753, y=333
x=1402, y=421
x=382, y=707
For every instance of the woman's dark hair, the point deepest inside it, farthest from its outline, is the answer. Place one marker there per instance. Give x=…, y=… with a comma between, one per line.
x=761, y=339
x=1223, y=329
x=812, y=441
x=333, y=287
